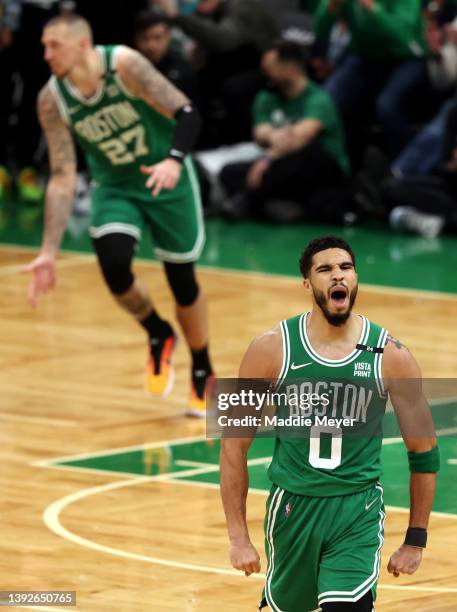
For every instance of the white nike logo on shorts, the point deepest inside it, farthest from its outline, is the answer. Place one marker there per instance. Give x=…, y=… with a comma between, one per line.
x=368, y=506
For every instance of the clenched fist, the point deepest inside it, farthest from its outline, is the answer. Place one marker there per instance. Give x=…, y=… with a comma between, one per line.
x=244, y=557
x=405, y=560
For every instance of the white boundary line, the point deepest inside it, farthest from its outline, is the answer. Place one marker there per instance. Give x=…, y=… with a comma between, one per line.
x=19, y=268
x=200, y=467
x=116, y=451
x=386, y=289
x=264, y=492
x=52, y=513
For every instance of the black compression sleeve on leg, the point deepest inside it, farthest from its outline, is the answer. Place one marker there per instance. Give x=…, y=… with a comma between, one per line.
x=187, y=129
x=365, y=604
x=115, y=254
x=182, y=281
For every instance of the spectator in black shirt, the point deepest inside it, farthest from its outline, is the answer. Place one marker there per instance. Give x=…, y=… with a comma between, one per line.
x=152, y=36
x=424, y=205
x=230, y=36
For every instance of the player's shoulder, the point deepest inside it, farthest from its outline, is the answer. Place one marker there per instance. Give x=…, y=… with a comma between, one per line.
x=263, y=357
x=126, y=57
x=269, y=340
x=132, y=68
x=48, y=107
x=398, y=361
x=46, y=97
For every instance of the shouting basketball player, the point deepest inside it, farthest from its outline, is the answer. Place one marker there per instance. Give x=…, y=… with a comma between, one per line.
x=325, y=513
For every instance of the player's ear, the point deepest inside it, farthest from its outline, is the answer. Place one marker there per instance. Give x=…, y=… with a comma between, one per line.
x=307, y=284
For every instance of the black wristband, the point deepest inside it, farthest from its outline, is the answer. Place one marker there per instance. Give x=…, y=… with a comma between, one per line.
x=416, y=536
x=178, y=156
x=186, y=132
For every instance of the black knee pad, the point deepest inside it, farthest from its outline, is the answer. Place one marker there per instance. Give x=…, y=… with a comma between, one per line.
x=115, y=254
x=181, y=278
x=365, y=604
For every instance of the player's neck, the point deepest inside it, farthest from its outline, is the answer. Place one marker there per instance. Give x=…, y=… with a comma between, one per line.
x=322, y=331
x=86, y=74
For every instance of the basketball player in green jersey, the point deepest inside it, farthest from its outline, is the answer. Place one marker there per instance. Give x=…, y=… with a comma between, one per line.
x=325, y=513
x=130, y=122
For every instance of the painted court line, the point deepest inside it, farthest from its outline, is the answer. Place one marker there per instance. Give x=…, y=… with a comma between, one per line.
x=19, y=268
x=386, y=289
x=200, y=468
x=119, y=450
x=196, y=464
x=51, y=518
x=53, y=463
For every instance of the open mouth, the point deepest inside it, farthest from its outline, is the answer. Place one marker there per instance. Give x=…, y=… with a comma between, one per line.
x=338, y=295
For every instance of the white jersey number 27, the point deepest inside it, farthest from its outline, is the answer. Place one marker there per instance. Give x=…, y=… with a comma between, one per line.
x=119, y=150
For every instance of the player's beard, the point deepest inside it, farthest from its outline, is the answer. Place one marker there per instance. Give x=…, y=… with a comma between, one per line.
x=335, y=319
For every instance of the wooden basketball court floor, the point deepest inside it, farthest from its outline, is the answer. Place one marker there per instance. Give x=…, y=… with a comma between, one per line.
x=112, y=494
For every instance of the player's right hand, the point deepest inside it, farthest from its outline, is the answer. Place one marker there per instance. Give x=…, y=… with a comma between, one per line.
x=43, y=269
x=244, y=557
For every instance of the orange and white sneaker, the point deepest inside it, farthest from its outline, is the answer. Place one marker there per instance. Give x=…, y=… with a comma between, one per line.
x=160, y=374
x=199, y=386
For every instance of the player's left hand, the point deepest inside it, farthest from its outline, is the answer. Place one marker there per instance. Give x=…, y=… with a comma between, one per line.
x=164, y=175
x=405, y=560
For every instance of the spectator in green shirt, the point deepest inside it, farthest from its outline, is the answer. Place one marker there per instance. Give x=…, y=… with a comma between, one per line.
x=387, y=60
x=299, y=127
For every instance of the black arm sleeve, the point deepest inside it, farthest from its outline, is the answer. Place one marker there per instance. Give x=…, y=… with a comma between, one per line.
x=187, y=129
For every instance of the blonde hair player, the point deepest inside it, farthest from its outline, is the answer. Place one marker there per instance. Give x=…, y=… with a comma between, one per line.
x=131, y=123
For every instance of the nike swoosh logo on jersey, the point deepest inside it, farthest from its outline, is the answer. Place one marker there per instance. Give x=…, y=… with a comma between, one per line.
x=302, y=365
x=368, y=506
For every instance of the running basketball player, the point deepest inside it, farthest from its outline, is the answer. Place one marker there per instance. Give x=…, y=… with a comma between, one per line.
x=130, y=122
x=325, y=513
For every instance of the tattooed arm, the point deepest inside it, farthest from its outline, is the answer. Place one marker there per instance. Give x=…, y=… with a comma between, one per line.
x=144, y=81
x=61, y=186
x=396, y=343
x=59, y=194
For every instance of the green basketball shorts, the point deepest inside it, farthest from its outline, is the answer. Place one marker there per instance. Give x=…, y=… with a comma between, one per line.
x=322, y=549
x=174, y=219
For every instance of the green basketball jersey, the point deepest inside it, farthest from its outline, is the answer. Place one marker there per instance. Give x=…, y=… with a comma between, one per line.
x=116, y=130
x=339, y=404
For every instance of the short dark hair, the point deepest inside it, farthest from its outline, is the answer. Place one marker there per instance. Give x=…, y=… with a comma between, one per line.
x=322, y=244
x=291, y=52
x=147, y=19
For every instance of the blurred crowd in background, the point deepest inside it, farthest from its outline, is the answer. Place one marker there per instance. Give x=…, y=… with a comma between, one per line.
x=334, y=111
